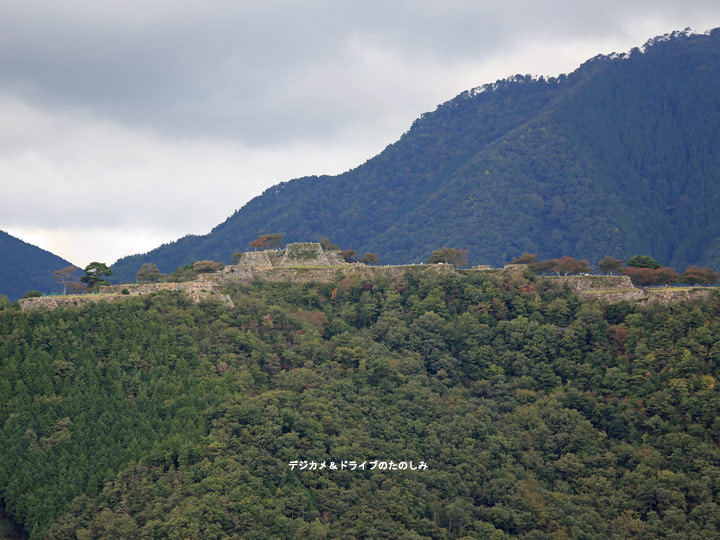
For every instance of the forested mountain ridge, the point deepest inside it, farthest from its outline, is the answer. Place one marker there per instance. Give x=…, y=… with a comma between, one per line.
x=25, y=267
x=618, y=158
x=539, y=415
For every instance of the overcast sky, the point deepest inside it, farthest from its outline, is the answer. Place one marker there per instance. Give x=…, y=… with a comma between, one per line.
x=127, y=124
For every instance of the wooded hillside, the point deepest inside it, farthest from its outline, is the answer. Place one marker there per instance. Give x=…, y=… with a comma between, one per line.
x=538, y=415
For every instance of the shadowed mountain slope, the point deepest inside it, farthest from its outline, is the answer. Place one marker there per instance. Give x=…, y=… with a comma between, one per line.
x=620, y=157
x=24, y=267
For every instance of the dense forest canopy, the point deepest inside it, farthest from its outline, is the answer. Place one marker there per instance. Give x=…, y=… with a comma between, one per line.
x=619, y=157
x=538, y=415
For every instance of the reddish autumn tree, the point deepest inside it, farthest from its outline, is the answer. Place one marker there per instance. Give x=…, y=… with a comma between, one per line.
x=273, y=240
x=640, y=276
x=618, y=335
x=568, y=265
x=701, y=276
x=267, y=241
x=665, y=276
x=75, y=287
x=65, y=276
x=259, y=243
x=544, y=267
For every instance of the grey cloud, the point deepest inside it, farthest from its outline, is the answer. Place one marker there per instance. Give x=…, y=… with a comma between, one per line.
x=179, y=111
x=242, y=69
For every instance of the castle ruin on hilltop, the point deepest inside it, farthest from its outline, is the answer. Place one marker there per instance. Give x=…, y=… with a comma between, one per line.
x=307, y=262
x=297, y=254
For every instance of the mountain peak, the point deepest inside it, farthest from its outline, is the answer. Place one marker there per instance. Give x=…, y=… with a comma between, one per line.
x=616, y=158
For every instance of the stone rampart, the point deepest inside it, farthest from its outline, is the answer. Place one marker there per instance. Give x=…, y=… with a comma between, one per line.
x=296, y=254
x=255, y=258
x=229, y=272
x=147, y=288
x=612, y=297
x=304, y=254
x=511, y=268
x=197, y=291
x=589, y=283
x=607, y=288
x=209, y=286
x=318, y=274
x=334, y=257
x=275, y=256
x=670, y=295
x=618, y=288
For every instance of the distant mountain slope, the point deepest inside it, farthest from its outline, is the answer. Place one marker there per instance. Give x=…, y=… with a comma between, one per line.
x=620, y=157
x=24, y=267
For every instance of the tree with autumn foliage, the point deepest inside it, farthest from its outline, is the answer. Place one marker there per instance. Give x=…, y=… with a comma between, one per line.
x=568, y=266
x=258, y=243
x=65, y=276
x=666, y=276
x=544, y=267
x=639, y=275
x=701, y=276
x=645, y=276
x=267, y=241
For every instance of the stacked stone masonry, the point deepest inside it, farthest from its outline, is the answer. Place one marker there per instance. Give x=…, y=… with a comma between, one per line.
x=308, y=262
x=298, y=254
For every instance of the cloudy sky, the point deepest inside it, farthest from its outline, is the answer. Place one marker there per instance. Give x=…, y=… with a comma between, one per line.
x=126, y=123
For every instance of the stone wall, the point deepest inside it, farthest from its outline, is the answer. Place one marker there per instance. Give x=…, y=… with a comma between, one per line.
x=52, y=302
x=318, y=274
x=618, y=288
x=335, y=257
x=297, y=254
x=304, y=254
x=229, y=272
x=612, y=297
x=669, y=295
x=589, y=283
x=275, y=256
x=209, y=286
x=147, y=288
x=197, y=291
x=515, y=268
x=609, y=289
x=255, y=258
